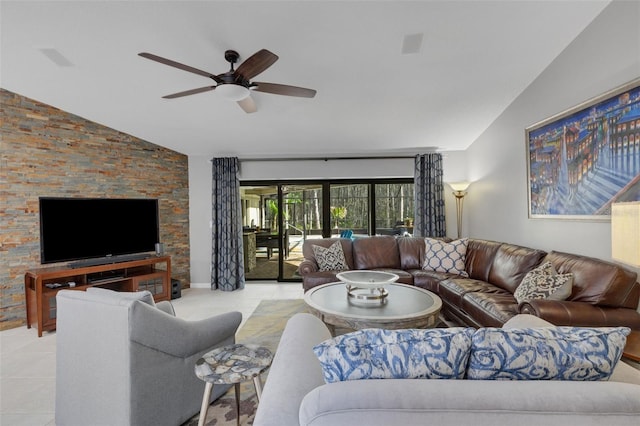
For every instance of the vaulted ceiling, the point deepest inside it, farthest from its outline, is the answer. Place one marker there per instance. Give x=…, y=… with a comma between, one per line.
x=392, y=77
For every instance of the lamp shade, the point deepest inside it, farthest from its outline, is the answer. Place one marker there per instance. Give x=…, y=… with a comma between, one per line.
x=459, y=186
x=234, y=92
x=625, y=232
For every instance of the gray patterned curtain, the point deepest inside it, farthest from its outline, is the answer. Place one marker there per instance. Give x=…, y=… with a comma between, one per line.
x=429, y=220
x=227, y=272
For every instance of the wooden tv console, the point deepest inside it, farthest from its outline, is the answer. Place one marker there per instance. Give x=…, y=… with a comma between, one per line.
x=41, y=285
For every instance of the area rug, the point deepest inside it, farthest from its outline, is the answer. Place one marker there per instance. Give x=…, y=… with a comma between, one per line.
x=264, y=327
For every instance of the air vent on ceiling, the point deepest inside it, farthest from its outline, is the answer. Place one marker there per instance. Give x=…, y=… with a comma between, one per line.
x=412, y=43
x=56, y=57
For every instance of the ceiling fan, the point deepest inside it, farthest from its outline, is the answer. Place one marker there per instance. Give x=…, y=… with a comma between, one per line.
x=235, y=84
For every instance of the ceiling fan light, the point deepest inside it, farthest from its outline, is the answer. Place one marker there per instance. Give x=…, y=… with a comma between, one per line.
x=233, y=92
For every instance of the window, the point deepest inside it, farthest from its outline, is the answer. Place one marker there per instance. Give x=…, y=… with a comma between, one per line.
x=282, y=215
x=394, y=208
x=349, y=208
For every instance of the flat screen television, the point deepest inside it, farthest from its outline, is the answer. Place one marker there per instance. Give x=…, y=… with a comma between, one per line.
x=96, y=228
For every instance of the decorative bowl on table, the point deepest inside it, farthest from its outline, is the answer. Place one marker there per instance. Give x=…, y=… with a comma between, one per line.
x=367, y=285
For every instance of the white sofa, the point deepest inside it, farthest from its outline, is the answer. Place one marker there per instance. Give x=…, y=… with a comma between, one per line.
x=295, y=393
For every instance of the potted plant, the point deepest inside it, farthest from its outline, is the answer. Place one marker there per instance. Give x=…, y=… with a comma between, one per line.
x=338, y=213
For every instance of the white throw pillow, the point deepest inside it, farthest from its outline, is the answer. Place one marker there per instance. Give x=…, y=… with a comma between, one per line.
x=446, y=257
x=331, y=258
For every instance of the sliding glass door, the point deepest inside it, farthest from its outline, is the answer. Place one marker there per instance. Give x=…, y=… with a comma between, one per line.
x=261, y=241
x=302, y=219
x=277, y=219
x=279, y=216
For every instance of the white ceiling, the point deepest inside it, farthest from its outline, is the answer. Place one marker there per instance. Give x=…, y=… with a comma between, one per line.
x=476, y=58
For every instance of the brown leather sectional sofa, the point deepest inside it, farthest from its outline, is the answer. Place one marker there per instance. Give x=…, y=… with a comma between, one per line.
x=604, y=294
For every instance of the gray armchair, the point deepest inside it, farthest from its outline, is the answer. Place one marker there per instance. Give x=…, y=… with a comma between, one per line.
x=123, y=360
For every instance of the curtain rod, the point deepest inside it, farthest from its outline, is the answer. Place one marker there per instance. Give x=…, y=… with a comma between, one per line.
x=392, y=157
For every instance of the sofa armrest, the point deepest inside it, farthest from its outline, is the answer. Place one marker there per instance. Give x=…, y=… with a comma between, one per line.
x=295, y=371
x=167, y=307
x=580, y=314
x=177, y=337
x=307, y=267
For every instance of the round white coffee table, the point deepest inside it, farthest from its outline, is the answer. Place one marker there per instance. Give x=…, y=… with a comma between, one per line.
x=406, y=306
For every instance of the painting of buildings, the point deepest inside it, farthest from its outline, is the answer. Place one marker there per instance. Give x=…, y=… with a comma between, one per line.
x=583, y=160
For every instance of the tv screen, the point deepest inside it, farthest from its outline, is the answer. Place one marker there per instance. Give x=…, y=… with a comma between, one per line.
x=87, y=228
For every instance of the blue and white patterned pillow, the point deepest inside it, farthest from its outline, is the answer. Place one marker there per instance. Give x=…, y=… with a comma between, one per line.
x=331, y=258
x=446, y=257
x=439, y=353
x=553, y=353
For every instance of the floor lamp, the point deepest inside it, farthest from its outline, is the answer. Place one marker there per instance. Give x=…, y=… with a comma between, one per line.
x=459, y=191
x=625, y=232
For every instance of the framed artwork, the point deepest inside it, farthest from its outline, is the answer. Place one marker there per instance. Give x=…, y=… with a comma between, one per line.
x=584, y=159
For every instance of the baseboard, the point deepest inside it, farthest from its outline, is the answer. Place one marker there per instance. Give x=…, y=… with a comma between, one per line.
x=200, y=285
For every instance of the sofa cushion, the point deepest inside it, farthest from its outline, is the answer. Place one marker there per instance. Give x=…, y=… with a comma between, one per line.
x=453, y=289
x=548, y=353
x=411, y=252
x=429, y=280
x=376, y=252
x=318, y=278
x=442, y=256
x=439, y=353
x=330, y=259
x=596, y=281
x=489, y=309
x=307, y=248
x=511, y=263
x=467, y=402
x=544, y=283
x=480, y=254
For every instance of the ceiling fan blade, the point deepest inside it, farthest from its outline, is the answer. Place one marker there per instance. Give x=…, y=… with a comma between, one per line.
x=179, y=65
x=283, y=89
x=254, y=65
x=248, y=105
x=189, y=92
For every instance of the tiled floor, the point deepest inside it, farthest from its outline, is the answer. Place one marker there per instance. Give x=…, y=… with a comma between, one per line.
x=27, y=363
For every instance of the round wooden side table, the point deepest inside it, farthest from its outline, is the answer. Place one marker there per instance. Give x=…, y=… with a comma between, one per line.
x=231, y=364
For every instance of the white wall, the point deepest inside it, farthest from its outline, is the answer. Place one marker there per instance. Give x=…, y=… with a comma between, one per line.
x=454, y=165
x=604, y=56
x=200, y=219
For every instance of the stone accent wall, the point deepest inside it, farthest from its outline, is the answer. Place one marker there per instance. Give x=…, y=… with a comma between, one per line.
x=48, y=152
